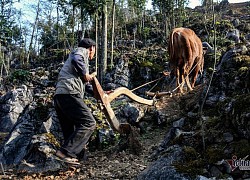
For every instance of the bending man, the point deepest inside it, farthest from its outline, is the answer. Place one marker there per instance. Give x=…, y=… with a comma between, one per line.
x=75, y=118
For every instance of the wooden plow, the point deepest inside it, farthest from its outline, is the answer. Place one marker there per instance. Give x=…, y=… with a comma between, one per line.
x=105, y=100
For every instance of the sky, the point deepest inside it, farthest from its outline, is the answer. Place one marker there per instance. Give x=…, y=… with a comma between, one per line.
x=25, y=3
x=194, y=3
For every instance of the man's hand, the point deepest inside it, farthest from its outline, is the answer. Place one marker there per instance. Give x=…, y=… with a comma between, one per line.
x=108, y=92
x=88, y=77
x=165, y=73
x=94, y=74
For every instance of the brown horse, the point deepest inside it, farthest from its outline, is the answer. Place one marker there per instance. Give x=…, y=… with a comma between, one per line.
x=186, y=56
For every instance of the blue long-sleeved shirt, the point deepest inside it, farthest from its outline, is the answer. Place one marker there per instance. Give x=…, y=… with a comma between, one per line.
x=70, y=80
x=81, y=67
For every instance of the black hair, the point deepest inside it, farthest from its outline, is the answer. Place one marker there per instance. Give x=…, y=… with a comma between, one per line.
x=86, y=43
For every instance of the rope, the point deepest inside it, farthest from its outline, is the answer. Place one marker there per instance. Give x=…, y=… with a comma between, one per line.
x=147, y=83
x=160, y=79
x=154, y=85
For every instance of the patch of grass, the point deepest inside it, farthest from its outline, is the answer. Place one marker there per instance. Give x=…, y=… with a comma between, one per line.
x=190, y=153
x=19, y=76
x=241, y=148
x=214, y=154
x=51, y=139
x=241, y=104
x=192, y=168
x=213, y=121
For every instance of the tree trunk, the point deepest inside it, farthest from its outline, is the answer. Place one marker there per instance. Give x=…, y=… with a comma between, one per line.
x=57, y=22
x=97, y=44
x=73, y=25
x=112, y=35
x=82, y=23
x=33, y=32
x=167, y=29
x=104, y=42
x=172, y=15
x=65, y=44
x=99, y=40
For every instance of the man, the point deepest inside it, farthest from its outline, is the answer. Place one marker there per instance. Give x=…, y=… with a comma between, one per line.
x=75, y=118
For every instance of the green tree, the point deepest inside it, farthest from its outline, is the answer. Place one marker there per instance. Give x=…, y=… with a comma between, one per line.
x=7, y=20
x=33, y=32
x=8, y=28
x=172, y=13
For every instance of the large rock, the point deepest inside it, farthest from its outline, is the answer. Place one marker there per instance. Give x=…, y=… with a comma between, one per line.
x=35, y=119
x=11, y=105
x=163, y=168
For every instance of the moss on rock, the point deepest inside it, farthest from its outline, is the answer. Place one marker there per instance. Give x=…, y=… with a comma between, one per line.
x=241, y=148
x=214, y=154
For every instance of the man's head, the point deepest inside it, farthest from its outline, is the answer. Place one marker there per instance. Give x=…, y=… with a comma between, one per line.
x=88, y=44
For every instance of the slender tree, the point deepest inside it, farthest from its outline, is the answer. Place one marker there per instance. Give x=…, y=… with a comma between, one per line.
x=172, y=13
x=104, y=42
x=33, y=31
x=97, y=42
x=112, y=35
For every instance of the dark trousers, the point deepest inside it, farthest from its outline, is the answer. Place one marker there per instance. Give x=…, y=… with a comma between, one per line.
x=76, y=121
